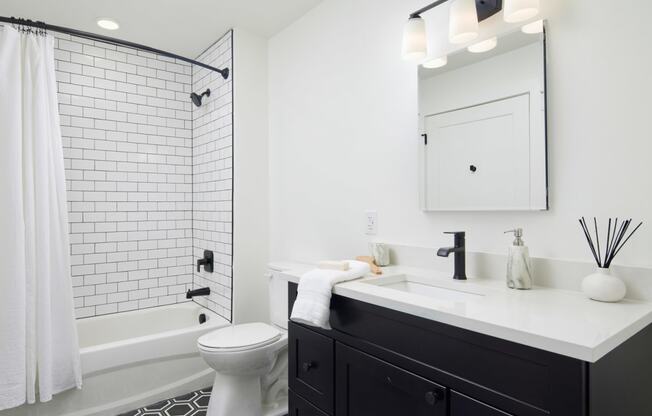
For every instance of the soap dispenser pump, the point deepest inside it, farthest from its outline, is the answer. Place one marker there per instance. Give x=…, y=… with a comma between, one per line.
x=519, y=265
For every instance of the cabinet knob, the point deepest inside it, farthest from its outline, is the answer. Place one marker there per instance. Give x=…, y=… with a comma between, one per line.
x=308, y=365
x=432, y=397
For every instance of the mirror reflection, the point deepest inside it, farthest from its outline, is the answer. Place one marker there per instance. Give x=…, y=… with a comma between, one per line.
x=482, y=114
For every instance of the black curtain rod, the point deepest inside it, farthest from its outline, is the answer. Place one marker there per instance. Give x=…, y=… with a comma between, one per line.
x=87, y=35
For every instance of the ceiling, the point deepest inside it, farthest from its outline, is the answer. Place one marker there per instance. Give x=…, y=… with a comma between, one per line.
x=184, y=27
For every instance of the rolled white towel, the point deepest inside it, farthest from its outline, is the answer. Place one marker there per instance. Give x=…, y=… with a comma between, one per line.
x=333, y=265
x=312, y=306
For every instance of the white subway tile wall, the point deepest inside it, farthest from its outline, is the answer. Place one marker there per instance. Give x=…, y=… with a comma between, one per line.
x=212, y=172
x=126, y=121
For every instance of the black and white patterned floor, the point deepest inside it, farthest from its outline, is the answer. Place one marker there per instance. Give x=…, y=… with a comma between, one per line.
x=191, y=404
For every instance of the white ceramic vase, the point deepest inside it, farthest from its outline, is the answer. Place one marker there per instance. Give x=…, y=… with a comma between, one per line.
x=603, y=286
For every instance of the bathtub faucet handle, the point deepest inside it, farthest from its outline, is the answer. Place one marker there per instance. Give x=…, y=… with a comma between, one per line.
x=207, y=262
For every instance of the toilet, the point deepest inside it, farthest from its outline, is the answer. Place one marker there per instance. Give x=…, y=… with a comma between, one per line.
x=250, y=361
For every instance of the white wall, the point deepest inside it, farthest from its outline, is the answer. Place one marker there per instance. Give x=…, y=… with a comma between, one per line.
x=514, y=72
x=251, y=171
x=343, y=126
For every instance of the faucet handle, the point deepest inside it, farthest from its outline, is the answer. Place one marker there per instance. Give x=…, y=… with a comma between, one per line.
x=460, y=237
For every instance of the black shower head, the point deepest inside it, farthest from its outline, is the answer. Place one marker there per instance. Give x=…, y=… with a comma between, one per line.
x=196, y=98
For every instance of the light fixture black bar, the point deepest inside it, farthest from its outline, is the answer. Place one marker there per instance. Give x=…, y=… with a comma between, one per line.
x=88, y=35
x=428, y=7
x=484, y=8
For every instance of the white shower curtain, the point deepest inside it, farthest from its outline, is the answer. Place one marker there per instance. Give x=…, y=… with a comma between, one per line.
x=39, y=351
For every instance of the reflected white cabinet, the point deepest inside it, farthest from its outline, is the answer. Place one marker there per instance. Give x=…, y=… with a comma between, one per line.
x=478, y=158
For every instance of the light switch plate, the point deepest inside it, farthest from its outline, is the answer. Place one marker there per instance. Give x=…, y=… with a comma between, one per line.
x=371, y=224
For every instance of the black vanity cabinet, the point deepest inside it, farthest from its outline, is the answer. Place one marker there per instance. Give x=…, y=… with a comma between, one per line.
x=365, y=385
x=301, y=407
x=380, y=362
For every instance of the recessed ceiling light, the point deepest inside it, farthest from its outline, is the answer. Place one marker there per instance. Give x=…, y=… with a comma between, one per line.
x=108, y=24
x=534, y=27
x=484, y=46
x=436, y=62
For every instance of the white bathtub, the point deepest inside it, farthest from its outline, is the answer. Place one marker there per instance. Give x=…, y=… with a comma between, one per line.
x=132, y=359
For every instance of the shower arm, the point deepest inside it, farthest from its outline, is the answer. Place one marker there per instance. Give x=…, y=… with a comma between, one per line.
x=107, y=39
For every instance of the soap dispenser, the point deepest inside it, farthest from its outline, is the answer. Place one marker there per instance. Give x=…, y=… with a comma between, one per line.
x=519, y=265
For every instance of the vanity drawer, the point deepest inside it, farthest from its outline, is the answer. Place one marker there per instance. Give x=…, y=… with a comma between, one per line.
x=368, y=386
x=311, y=367
x=300, y=407
x=462, y=405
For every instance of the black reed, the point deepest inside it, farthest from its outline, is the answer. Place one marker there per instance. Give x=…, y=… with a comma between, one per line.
x=588, y=238
x=614, y=242
x=597, y=238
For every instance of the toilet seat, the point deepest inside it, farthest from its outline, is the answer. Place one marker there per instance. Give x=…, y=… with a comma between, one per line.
x=240, y=337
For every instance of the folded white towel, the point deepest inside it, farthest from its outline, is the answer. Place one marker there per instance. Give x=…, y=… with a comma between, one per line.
x=312, y=306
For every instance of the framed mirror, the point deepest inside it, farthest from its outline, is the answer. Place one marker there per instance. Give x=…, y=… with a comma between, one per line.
x=482, y=117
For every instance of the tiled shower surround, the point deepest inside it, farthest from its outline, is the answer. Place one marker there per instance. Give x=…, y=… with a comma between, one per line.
x=127, y=132
x=212, y=169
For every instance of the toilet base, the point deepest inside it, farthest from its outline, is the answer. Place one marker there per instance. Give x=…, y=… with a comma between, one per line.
x=235, y=396
x=241, y=396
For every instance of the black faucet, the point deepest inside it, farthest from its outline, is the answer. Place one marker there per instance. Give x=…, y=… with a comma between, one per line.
x=207, y=262
x=204, y=291
x=460, y=254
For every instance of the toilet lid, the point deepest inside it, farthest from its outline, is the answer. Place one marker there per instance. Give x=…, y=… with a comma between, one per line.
x=240, y=336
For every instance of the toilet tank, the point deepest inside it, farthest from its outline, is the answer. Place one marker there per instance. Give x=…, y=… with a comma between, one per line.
x=278, y=299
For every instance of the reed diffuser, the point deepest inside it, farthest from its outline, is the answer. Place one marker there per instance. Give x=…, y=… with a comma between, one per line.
x=603, y=285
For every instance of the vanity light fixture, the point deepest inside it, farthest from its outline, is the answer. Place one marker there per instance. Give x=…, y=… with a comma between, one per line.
x=520, y=10
x=435, y=62
x=108, y=23
x=464, y=16
x=533, y=28
x=463, y=21
x=415, y=44
x=483, y=46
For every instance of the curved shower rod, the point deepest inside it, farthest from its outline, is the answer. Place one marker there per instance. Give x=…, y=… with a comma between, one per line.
x=107, y=39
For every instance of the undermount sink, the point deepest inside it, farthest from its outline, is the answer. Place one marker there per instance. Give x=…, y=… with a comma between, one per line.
x=423, y=287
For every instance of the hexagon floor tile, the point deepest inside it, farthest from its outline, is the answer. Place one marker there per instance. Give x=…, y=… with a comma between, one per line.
x=191, y=404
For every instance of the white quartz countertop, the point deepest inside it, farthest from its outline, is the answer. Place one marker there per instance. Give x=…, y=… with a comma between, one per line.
x=559, y=321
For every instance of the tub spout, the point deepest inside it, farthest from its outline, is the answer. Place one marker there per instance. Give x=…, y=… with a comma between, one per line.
x=204, y=291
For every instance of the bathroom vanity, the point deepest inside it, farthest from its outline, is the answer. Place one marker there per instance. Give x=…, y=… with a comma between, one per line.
x=390, y=355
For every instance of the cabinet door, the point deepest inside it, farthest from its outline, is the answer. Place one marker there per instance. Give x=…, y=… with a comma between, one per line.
x=311, y=366
x=462, y=405
x=367, y=386
x=478, y=158
x=300, y=407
